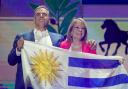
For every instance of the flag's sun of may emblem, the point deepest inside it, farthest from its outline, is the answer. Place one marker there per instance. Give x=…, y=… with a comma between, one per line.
x=45, y=66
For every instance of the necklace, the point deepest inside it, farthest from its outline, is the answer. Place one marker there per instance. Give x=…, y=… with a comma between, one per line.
x=76, y=47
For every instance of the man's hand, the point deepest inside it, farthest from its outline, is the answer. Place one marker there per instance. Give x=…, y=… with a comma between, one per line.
x=20, y=44
x=93, y=44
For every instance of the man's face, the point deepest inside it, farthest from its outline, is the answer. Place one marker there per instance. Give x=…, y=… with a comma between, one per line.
x=41, y=17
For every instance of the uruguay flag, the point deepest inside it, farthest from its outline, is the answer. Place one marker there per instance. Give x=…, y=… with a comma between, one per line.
x=46, y=67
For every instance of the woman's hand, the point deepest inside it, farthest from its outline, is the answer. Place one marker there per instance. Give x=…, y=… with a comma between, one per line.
x=93, y=44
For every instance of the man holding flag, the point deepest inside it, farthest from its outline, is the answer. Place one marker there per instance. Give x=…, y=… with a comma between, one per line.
x=39, y=35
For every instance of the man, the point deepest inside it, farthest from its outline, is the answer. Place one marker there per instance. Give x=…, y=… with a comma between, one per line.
x=39, y=34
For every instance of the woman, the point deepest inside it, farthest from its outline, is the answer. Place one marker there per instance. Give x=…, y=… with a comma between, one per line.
x=77, y=38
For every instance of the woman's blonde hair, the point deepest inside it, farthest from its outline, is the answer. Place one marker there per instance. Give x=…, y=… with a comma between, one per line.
x=69, y=36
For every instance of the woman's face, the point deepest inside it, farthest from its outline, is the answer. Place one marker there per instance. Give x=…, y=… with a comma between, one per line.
x=78, y=30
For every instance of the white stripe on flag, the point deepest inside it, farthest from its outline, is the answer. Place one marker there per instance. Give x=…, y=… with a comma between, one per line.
x=96, y=73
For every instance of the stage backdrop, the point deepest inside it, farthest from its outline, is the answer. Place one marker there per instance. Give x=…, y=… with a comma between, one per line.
x=16, y=17
x=9, y=28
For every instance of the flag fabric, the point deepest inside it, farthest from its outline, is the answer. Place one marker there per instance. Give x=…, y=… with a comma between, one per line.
x=47, y=67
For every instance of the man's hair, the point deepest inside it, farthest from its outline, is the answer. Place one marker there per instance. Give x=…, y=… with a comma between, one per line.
x=42, y=6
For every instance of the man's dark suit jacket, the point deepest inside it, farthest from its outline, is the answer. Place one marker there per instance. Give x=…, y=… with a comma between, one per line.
x=13, y=59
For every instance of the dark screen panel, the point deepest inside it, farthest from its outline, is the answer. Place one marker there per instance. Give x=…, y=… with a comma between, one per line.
x=105, y=2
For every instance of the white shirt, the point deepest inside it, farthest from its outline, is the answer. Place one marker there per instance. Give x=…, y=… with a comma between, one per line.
x=41, y=37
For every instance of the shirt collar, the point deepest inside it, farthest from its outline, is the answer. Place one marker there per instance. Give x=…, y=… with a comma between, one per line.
x=44, y=33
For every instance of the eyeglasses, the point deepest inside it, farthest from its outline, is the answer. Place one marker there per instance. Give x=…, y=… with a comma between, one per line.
x=79, y=28
x=41, y=14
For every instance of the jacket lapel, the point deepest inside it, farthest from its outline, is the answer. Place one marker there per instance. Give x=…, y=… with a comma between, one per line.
x=31, y=36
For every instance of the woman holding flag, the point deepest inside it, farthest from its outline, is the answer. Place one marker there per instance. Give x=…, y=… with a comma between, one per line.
x=76, y=39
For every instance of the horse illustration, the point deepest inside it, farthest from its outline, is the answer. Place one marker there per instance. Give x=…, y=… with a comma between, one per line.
x=113, y=34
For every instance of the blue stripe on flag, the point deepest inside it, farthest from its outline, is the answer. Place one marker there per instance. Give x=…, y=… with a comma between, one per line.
x=97, y=82
x=93, y=63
